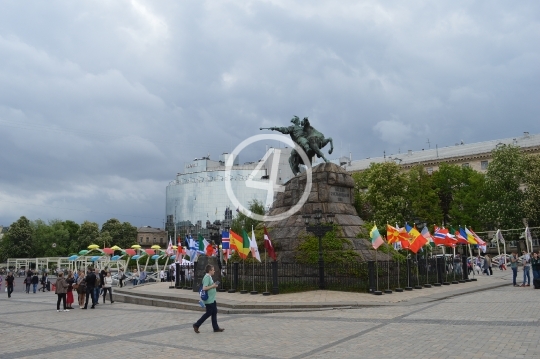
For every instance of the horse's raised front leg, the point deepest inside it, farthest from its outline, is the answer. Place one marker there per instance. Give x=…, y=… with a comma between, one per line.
x=329, y=139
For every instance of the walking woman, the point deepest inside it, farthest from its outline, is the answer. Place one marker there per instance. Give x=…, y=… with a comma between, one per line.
x=69, y=297
x=81, y=288
x=61, y=289
x=107, y=287
x=210, y=304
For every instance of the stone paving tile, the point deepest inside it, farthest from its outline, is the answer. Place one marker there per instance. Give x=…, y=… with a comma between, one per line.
x=497, y=323
x=290, y=336
x=432, y=341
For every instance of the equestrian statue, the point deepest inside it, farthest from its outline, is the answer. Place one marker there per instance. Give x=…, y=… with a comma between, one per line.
x=307, y=138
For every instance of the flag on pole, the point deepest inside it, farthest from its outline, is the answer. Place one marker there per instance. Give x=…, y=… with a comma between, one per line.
x=417, y=240
x=376, y=239
x=425, y=233
x=192, y=246
x=467, y=235
x=201, y=246
x=481, y=244
x=236, y=242
x=225, y=244
x=460, y=239
x=439, y=237
x=268, y=245
x=253, y=246
x=169, y=252
x=245, y=244
x=392, y=234
x=404, y=237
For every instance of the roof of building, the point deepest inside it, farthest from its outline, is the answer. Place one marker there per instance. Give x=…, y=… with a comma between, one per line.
x=148, y=229
x=446, y=153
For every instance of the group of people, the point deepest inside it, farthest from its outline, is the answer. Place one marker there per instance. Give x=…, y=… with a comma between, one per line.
x=529, y=262
x=88, y=286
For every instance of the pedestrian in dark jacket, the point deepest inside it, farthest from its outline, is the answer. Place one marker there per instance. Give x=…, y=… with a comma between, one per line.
x=10, y=282
x=35, y=281
x=90, y=285
x=61, y=290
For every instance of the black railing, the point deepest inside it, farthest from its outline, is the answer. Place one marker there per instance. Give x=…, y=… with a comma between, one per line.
x=277, y=277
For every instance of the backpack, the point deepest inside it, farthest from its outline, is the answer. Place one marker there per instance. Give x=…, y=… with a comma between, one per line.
x=203, y=293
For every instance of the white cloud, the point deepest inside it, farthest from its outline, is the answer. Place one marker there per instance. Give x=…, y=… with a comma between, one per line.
x=393, y=132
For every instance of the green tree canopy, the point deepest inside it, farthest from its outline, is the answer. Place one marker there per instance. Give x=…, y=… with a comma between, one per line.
x=380, y=193
x=503, y=192
x=88, y=234
x=242, y=221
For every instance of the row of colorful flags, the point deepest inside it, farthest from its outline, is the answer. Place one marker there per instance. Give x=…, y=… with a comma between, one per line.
x=410, y=238
x=230, y=241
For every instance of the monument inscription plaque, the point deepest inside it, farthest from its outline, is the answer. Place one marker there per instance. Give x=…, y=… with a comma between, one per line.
x=339, y=194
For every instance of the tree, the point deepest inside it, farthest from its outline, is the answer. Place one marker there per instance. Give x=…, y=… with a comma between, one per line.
x=122, y=234
x=50, y=240
x=531, y=201
x=17, y=242
x=468, y=196
x=503, y=207
x=447, y=179
x=380, y=193
x=88, y=234
x=73, y=229
x=422, y=198
x=242, y=221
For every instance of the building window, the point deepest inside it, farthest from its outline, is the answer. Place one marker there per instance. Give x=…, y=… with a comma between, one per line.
x=140, y=239
x=429, y=170
x=465, y=165
x=147, y=240
x=484, y=165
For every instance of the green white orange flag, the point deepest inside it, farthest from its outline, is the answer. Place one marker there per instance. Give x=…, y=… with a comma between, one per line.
x=244, y=251
x=376, y=239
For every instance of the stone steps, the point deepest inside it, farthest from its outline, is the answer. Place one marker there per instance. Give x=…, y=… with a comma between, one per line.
x=178, y=302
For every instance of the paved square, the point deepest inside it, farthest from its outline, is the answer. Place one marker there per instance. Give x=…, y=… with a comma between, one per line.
x=496, y=323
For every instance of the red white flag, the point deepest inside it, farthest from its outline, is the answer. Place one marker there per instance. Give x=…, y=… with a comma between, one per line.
x=268, y=245
x=169, y=250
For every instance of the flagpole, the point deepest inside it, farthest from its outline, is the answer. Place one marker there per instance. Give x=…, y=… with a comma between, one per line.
x=388, y=291
x=453, y=266
x=265, y=269
x=427, y=285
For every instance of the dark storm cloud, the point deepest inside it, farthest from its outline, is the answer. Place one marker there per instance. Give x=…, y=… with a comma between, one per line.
x=102, y=102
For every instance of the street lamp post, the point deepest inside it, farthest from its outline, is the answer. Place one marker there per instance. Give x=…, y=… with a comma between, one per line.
x=319, y=230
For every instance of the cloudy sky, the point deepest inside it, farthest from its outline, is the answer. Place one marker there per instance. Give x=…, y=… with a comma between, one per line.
x=102, y=102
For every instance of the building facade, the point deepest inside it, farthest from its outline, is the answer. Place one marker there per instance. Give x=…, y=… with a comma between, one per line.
x=148, y=236
x=197, y=200
x=475, y=155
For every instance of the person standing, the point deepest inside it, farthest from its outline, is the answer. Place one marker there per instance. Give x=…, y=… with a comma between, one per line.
x=61, y=290
x=514, y=265
x=526, y=261
x=69, y=297
x=535, y=265
x=90, y=285
x=43, y=281
x=107, y=287
x=35, y=281
x=210, y=304
x=162, y=275
x=10, y=282
x=121, y=277
x=81, y=288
